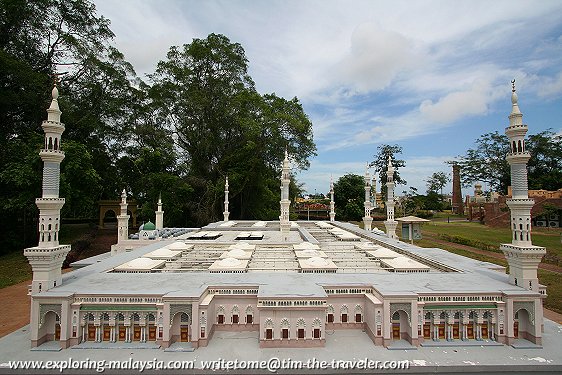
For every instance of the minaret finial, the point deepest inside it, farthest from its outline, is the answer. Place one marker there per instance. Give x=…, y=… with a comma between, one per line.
x=513, y=85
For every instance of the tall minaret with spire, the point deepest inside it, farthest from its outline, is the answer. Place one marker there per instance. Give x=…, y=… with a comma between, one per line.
x=522, y=256
x=285, y=202
x=159, y=214
x=374, y=190
x=226, y=213
x=123, y=219
x=332, y=203
x=390, y=224
x=367, y=219
x=47, y=257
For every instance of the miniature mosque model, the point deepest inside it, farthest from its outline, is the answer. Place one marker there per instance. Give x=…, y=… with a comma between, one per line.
x=289, y=282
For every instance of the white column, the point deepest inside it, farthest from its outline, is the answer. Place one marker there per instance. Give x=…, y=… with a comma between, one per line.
x=332, y=203
x=226, y=213
x=367, y=220
x=390, y=223
x=284, y=220
x=159, y=215
x=523, y=258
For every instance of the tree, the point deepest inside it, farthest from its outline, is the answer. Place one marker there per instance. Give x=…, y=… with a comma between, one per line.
x=437, y=181
x=487, y=162
x=380, y=164
x=203, y=94
x=38, y=39
x=545, y=165
x=349, y=194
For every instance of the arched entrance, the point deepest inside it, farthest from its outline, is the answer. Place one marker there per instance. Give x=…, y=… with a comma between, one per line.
x=120, y=327
x=110, y=217
x=51, y=326
x=114, y=205
x=427, y=326
x=180, y=327
x=106, y=328
x=151, y=323
x=457, y=325
x=400, y=325
x=90, y=328
x=470, y=327
x=136, y=328
x=522, y=328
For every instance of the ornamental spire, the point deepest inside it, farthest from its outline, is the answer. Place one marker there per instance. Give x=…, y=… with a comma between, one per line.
x=515, y=106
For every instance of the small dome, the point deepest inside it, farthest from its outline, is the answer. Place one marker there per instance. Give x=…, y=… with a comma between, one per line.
x=178, y=245
x=229, y=262
x=311, y=252
x=149, y=226
x=236, y=253
x=317, y=262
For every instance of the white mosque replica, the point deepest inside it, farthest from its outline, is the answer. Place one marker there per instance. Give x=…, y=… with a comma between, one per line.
x=289, y=283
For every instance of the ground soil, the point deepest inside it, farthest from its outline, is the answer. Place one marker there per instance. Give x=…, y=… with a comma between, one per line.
x=14, y=311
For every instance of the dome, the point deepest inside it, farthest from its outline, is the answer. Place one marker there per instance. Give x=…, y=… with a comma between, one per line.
x=229, y=262
x=311, y=252
x=149, y=226
x=317, y=262
x=177, y=246
x=236, y=253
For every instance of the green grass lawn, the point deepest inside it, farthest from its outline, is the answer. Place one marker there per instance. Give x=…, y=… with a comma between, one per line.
x=14, y=269
x=549, y=238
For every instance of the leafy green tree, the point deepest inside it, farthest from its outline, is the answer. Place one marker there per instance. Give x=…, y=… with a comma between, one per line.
x=37, y=39
x=487, y=162
x=349, y=194
x=380, y=164
x=203, y=94
x=437, y=181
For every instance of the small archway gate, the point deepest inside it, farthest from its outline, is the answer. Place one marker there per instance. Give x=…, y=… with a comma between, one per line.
x=114, y=205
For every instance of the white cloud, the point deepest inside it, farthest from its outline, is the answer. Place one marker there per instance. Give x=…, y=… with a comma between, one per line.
x=550, y=86
x=375, y=58
x=457, y=105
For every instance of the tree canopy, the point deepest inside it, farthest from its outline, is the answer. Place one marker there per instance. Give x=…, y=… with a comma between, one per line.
x=349, y=195
x=380, y=164
x=197, y=120
x=487, y=161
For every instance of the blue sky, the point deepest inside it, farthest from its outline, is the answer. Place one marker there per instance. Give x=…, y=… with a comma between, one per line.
x=431, y=76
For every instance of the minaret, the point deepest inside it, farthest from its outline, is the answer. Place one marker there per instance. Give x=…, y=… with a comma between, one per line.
x=285, y=202
x=159, y=214
x=123, y=220
x=332, y=203
x=522, y=256
x=47, y=257
x=390, y=223
x=367, y=219
x=374, y=190
x=226, y=213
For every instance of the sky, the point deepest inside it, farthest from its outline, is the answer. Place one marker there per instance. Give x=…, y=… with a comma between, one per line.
x=429, y=76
